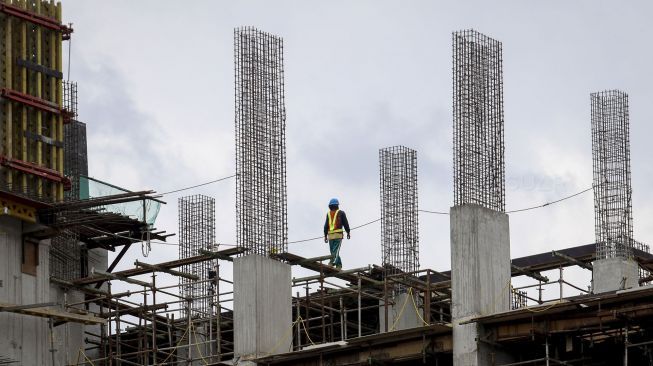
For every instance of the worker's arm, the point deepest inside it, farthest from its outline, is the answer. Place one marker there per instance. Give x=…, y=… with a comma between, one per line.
x=326, y=228
x=345, y=223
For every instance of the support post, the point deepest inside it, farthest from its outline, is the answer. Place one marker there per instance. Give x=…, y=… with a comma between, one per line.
x=480, y=278
x=262, y=307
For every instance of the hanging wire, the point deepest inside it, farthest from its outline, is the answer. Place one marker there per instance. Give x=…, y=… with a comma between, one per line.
x=198, y=185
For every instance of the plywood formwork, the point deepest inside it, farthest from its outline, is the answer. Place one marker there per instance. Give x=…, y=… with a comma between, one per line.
x=31, y=110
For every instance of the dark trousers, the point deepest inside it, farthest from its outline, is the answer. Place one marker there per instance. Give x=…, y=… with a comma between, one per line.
x=334, y=246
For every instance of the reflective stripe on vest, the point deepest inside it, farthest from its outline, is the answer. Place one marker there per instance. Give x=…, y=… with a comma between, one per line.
x=332, y=222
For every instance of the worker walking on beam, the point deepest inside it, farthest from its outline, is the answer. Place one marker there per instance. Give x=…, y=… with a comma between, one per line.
x=336, y=220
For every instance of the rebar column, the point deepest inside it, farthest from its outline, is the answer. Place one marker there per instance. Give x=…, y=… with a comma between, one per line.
x=261, y=198
x=480, y=238
x=479, y=167
x=74, y=144
x=399, y=216
x=66, y=253
x=611, y=164
x=196, y=231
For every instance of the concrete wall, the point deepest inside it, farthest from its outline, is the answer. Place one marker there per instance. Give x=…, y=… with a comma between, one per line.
x=480, y=278
x=612, y=274
x=406, y=319
x=262, y=307
x=25, y=338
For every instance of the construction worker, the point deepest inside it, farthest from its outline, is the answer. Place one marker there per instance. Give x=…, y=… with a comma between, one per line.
x=333, y=231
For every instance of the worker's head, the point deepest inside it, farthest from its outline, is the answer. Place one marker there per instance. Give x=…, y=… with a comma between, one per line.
x=333, y=204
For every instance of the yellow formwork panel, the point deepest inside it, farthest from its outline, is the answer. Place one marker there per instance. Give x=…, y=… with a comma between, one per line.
x=17, y=210
x=31, y=46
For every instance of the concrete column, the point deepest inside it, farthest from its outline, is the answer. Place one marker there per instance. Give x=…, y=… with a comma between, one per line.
x=612, y=274
x=262, y=307
x=480, y=279
x=401, y=314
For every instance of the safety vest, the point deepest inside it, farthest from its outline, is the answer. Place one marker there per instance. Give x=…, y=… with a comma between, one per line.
x=333, y=232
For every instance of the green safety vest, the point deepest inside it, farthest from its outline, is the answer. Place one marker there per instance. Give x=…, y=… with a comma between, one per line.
x=333, y=232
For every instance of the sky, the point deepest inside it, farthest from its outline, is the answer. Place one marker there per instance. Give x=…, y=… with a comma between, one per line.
x=156, y=89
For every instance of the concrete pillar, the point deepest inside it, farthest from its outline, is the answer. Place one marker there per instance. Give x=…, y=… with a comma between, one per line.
x=612, y=274
x=480, y=279
x=401, y=319
x=262, y=307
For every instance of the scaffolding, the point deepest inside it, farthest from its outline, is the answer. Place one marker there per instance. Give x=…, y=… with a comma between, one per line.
x=261, y=198
x=611, y=164
x=399, y=216
x=478, y=138
x=196, y=233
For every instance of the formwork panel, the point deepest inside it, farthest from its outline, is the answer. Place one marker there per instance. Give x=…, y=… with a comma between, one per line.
x=31, y=163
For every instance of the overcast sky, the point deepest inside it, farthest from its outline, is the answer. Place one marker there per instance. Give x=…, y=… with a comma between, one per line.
x=156, y=91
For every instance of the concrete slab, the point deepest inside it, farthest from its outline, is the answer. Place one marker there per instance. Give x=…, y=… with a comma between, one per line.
x=480, y=277
x=262, y=307
x=612, y=274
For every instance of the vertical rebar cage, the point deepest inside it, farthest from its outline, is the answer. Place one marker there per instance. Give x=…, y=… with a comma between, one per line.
x=196, y=231
x=261, y=197
x=66, y=251
x=399, y=215
x=611, y=165
x=74, y=143
x=478, y=137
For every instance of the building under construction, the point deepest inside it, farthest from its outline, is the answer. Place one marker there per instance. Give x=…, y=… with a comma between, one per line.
x=57, y=305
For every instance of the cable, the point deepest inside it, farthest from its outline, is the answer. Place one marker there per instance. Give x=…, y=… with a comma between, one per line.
x=321, y=237
x=527, y=208
x=354, y=228
x=197, y=185
x=552, y=202
x=434, y=212
x=70, y=46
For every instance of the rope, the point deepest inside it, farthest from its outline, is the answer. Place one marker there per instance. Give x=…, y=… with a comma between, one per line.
x=192, y=328
x=306, y=331
x=401, y=312
x=410, y=293
x=197, y=185
x=285, y=337
x=172, y=351
x=85, y=356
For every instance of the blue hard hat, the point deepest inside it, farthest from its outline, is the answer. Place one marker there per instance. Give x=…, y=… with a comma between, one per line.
x=334, y=202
